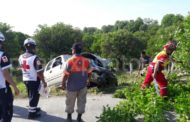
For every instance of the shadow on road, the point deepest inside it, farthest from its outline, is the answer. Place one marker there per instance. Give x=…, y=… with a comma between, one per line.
x=20, y=112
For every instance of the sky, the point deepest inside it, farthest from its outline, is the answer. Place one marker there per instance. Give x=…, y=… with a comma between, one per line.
x=25, y=15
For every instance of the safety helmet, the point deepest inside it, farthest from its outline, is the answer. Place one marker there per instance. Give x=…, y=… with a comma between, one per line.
x=171, y=45
x=2, y=38
x=29, y=41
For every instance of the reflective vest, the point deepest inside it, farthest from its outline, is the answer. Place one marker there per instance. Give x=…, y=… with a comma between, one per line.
x=2, y=79
x=162, y=57
x=28, y=70
x=78, y=64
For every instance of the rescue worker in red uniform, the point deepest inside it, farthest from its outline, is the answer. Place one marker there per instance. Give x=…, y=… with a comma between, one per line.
x=6, y=96
x=155, y=68
x=75, y=78
x=32, y=72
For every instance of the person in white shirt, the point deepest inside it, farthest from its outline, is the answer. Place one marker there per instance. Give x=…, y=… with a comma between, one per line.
x=6, y=96
x=32, y=73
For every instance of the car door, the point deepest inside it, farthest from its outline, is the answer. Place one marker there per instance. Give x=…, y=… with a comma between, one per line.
x=48, y=72
x=56, y=72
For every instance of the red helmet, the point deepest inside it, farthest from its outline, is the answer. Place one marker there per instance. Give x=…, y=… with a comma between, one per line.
x=171, y=45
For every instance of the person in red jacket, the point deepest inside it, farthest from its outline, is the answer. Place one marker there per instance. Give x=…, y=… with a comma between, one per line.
x=155, y=68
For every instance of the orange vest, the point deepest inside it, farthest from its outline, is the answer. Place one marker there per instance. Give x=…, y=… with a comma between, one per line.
x=78, y=64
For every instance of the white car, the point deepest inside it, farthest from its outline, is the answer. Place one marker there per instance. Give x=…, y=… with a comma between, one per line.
x=101, y=75
x=53, y=72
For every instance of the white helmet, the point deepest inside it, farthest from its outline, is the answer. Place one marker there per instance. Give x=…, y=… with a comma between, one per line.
x=2, y=38
x=29, y=41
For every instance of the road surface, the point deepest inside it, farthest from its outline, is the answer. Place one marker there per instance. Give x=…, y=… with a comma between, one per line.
x=54, y=108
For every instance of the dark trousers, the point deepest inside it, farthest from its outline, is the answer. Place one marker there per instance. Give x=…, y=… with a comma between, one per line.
x=33, y=94
x=6, y=104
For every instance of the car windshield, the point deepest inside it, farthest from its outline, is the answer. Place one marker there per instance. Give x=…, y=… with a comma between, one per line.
x=57, y=62
x=49, y=65
x=66, y=57
x=93, y=64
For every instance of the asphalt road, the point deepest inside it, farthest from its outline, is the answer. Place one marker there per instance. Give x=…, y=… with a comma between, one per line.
x=53, y=108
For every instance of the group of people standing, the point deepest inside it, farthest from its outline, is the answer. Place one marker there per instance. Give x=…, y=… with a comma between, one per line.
x=32, y=71
x=76, y=74
x=75, y=78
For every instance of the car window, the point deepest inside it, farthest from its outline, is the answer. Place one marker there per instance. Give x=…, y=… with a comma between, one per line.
x=66, y=57
x=49, y=65
x=58, y=61
x=93, y=64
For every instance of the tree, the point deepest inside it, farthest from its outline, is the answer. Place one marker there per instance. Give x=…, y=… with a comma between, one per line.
x=88, y=40
x=57, y=39
x=171, y=19
x=121, y=25
x=120, y=45
x=90, y=30
x=183, y=49
x=107, y=28
x=14, y=40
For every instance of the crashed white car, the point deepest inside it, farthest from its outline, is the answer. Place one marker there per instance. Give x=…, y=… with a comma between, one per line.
x=53, y=72
x=101, y=75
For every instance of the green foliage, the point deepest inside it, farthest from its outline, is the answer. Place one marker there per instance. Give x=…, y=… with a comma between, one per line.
x=131, y=25
x=13, y=44
x=22, y=88
x=183, y=49
x=88, y=40
x=171, y=19
x=90, y=30
x=180, y=99
x=162, y=36
x=147, y=104
x=108, y=28
x=120, y=45
x=96, y=45
x=56, y=40
x=116, y=114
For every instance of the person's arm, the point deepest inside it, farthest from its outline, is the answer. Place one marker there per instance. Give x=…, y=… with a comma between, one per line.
x=9, y=79
x=41, y=76
x=65, y=77
x=66, y=74
x=39, y=68
x=156, y=68
x=5, y=65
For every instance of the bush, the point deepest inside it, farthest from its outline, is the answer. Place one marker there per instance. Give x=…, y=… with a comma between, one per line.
x=147, y=103
x=22, y=88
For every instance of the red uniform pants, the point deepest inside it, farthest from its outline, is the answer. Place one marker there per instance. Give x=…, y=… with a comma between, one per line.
x=160, y=79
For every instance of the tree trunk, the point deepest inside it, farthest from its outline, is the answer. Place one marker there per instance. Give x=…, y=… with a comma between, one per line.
x=120, y=64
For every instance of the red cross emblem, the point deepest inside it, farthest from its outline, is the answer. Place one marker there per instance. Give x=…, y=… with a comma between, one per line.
x=25, y=66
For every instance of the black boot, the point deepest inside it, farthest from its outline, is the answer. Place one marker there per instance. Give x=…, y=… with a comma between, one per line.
x=69, y=118
x=79, y=118
x=33, y=115
x=38, y=109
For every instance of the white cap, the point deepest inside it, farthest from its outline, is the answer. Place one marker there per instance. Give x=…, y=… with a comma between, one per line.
x=29, y=41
